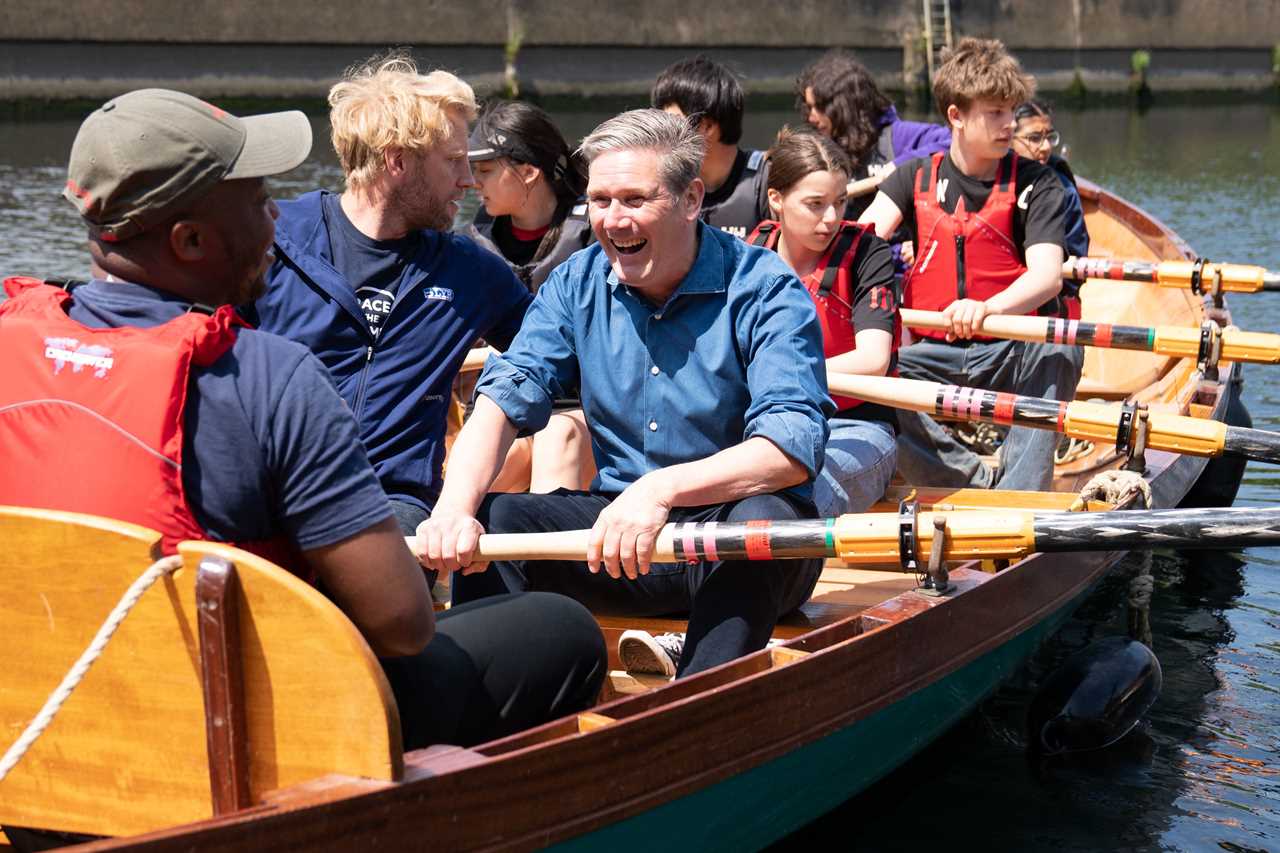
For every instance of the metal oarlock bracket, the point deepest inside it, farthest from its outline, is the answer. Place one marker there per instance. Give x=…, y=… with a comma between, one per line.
x=908, y=535
x=937, y=580
x=1210, y=350
x=1197, y=276
x=1216, y=290
x=1131, y=436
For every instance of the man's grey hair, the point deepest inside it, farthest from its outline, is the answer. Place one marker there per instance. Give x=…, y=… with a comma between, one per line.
x=678, y=144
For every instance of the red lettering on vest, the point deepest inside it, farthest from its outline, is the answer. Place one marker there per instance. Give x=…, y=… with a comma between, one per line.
x=831, y=285
x=92, y=419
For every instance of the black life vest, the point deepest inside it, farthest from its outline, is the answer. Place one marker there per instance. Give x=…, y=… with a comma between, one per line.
x=575, y=234
x=747, y=204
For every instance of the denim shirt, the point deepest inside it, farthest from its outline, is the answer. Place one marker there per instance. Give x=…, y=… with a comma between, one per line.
x=735, y=352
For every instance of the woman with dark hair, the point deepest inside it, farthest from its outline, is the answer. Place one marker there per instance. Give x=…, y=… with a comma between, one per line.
x=1035, y=138
x=848, y=272
x=837, y=96
x=531, y=185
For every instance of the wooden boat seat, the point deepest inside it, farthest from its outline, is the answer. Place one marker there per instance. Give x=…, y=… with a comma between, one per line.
x=130, y=750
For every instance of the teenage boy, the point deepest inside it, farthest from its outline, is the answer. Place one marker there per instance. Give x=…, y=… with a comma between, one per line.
x=988, y=240
x=710, y=97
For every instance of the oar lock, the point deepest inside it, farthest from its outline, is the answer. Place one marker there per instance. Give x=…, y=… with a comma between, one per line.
x=1131, y=436
x=1197, y=280
x=1210, y=349
x=933, y=579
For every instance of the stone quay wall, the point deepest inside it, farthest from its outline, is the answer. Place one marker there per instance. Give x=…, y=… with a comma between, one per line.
x=288, y=48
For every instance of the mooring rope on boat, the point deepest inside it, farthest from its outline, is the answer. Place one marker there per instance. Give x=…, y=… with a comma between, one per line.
x=157, y=570
x=1115, y=486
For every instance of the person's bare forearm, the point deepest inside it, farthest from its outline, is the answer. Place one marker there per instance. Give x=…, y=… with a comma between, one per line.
x=476, y=457
x=754, y=467
x=1041, y=282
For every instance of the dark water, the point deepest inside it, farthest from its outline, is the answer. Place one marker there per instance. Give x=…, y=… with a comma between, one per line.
x=1203, y=776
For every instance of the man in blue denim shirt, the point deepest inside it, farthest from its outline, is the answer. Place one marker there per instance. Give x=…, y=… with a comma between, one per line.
x=699, y=363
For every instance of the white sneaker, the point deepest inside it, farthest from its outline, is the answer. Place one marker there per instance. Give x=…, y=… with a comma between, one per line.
x=642, y=652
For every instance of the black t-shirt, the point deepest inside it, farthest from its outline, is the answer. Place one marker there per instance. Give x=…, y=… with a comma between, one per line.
x=373, y=267
x=875, y=306
x=1037, y=216
x=519, y=252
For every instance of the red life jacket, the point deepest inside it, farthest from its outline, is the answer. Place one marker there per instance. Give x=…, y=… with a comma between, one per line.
x=91, y=420
x=966, y=255
x=831, y=285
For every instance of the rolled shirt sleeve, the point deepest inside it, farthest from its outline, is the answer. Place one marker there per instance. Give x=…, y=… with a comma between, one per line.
x=540, y=366
x=786, y=372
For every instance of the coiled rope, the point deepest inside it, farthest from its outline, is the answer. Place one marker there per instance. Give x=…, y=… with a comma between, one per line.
x=1116, y=487
x=157, y=570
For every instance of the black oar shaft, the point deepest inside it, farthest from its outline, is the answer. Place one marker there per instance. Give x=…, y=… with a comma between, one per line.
x=1255, y=444
x=1237, y=527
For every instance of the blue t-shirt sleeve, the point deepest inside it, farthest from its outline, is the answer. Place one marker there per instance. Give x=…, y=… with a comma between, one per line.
x=326, y=490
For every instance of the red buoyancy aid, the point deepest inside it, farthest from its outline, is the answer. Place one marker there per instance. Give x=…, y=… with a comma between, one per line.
x=91, y=420
x=831, y=286
x=967, y=255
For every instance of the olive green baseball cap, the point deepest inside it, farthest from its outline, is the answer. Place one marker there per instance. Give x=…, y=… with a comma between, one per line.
x=143, y=157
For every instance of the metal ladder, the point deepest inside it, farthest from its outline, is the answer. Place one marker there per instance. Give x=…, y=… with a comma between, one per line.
x=937, y=31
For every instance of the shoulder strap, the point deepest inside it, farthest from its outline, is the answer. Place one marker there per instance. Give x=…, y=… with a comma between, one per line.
x=755, y=161
x=841, y=255
x=765, y=235
x=1007, y=173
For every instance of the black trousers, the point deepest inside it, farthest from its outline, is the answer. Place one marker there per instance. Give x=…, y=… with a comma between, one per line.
x=732, y=605
x=495, y=667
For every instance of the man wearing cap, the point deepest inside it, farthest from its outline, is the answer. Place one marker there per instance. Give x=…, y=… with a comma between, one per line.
x=372, y=282
x=141, y=396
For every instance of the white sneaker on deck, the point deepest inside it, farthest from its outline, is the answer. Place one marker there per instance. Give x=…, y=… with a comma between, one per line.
x=642, y=652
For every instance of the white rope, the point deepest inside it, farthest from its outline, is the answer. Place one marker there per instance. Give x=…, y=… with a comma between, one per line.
x=1115, y=486
x=161, y=567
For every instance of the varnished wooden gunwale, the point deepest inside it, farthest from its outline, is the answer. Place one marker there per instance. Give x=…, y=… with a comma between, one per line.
x=558, y=782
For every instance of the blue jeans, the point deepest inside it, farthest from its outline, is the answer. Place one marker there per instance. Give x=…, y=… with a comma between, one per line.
x=732, y=605
x=860, y=459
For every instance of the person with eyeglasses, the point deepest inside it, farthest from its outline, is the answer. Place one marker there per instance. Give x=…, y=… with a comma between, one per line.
x=1036, y=138
x=699, y=363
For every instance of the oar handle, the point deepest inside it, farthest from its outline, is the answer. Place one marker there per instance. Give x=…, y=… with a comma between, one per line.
x=1006, y=326
x=476, y=358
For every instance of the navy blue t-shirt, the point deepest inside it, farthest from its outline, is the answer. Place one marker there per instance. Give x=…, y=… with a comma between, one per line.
x=378, y=265
x=269, y=448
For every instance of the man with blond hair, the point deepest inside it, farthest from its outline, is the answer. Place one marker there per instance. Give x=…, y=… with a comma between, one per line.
x=989, y=233
x=698, y=360
x=374, y=284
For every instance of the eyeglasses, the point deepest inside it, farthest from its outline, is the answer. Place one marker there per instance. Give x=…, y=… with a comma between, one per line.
x=1035, y=140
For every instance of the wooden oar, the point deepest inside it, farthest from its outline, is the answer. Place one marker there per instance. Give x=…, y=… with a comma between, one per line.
x=871, y=538
x=476, y=358
x=1177, y=341
x=1104, y=422
x=1196, y=275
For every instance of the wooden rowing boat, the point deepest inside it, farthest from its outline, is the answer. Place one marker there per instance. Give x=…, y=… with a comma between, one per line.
x=868, y=673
